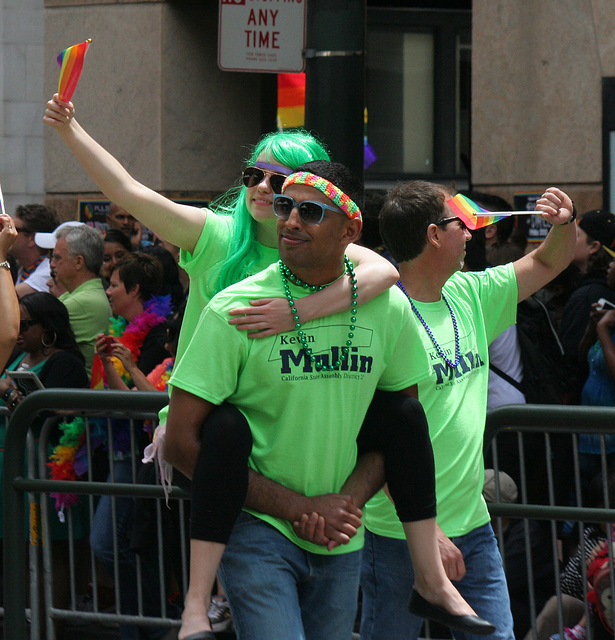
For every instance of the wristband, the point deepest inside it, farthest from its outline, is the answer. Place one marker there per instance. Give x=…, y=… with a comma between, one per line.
x=572, y=218
x=6, y=265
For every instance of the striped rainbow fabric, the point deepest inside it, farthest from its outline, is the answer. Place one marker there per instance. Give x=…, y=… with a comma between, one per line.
x=467, y=209
x=71, y=65
x=291, y=100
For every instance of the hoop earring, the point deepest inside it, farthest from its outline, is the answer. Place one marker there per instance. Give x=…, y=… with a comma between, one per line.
x=45, y=345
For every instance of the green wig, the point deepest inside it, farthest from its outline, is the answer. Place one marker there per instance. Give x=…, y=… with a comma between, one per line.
x=290, y=148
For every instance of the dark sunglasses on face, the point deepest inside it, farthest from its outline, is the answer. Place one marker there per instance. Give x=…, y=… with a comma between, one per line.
x=253, y=176
x=445, y=221
x=310, y=212
x=24, y=325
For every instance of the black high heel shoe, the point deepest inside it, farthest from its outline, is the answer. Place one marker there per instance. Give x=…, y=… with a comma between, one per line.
x=466, y=623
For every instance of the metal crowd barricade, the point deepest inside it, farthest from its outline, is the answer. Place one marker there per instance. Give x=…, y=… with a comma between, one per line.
x=520, y=421
x=537, y=435
x=105, y=406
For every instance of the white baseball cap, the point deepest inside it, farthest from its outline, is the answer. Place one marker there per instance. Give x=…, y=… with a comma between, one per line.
x=48, y=240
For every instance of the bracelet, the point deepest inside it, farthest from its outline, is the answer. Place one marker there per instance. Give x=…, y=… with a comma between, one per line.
x=6, y=265
x=572, y=218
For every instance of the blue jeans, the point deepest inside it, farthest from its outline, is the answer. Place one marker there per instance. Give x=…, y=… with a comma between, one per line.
x=387, y=578
x=101, y=541
x=278, y=591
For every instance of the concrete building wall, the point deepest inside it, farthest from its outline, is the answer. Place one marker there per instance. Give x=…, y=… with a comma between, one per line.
x=152, y=94
x=537, y=67
x=21, y=83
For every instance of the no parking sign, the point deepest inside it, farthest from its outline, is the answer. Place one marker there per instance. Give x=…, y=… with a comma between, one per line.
x=261, y=35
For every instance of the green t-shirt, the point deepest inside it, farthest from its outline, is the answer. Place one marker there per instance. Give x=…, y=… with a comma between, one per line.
x=89, y=313
x=304, y=423
x=209, y=253
x=455, y=400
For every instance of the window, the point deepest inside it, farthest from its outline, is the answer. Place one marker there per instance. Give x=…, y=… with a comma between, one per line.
x=418, y=93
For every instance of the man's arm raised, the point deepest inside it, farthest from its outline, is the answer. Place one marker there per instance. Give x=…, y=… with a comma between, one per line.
x=179, y=224
x=539, y=267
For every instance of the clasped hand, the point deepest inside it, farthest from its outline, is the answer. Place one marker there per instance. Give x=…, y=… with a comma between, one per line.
x=332, y=521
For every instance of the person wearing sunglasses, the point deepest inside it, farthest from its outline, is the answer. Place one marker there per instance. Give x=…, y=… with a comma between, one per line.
x=235, y=238
x=47, y=347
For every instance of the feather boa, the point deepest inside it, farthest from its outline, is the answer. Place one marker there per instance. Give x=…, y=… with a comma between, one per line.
x=131, y=334
x=159, y=375
x=68, y=461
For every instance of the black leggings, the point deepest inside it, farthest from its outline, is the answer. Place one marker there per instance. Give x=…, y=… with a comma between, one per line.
x=395, y=425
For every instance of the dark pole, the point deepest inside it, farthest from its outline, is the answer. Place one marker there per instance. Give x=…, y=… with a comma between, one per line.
x=335, y=77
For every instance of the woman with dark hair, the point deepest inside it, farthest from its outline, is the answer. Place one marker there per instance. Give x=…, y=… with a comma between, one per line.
x=49, y=350
x=48, y=346
x=171, y=283
x=117, y=245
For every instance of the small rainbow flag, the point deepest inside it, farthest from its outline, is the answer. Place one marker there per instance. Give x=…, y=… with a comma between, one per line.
x=467, y=209
x=71, y=63
x=475, y=217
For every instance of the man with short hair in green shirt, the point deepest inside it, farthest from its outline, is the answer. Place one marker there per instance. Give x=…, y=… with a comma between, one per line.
x=457, y=315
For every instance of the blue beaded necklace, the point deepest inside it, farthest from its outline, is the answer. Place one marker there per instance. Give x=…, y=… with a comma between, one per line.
x=286, y=275
x=439, y=349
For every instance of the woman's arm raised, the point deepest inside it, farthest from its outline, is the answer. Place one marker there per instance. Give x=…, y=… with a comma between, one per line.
x=179, y=224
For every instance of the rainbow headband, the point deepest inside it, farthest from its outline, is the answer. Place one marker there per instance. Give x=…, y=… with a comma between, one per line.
x=337, y=196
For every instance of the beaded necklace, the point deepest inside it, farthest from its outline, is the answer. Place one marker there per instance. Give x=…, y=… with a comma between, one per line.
x=286, y=275
x=439, y=349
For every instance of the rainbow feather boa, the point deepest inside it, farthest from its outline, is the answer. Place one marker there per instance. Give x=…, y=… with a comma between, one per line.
x=68, y=461
x=131, y=334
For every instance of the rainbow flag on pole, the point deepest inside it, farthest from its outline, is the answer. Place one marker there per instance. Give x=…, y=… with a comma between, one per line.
x=71, y=66
x=475, y=217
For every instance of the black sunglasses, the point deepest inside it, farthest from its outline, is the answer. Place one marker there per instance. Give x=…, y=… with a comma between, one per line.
x=310, y=212
x=253, y=176
x=445, y=221
x=24, y=325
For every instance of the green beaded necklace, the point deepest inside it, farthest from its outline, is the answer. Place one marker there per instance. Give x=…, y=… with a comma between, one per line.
x=286, y=275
